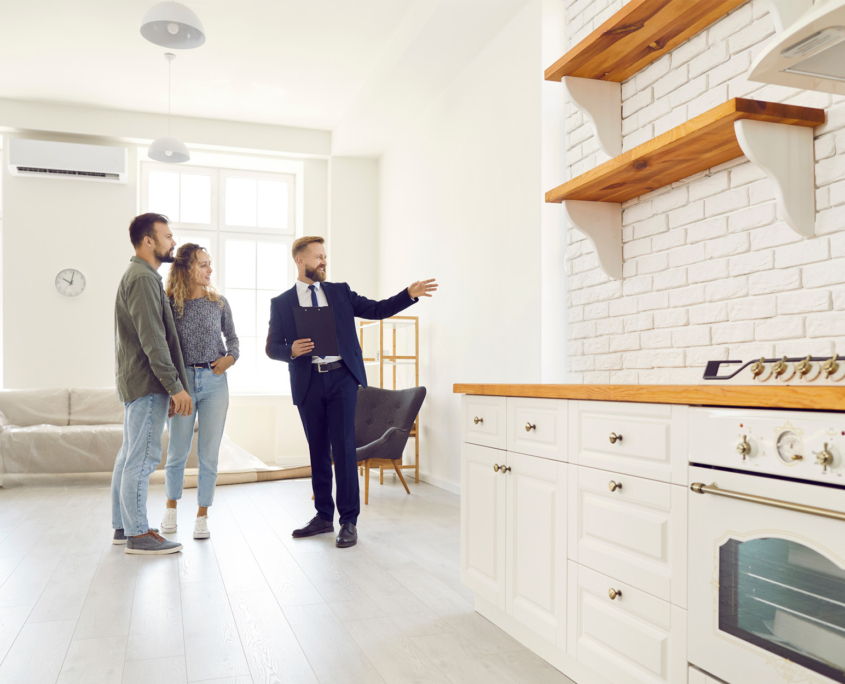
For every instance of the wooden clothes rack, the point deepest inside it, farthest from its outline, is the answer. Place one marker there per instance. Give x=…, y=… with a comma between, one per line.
x=394, y=360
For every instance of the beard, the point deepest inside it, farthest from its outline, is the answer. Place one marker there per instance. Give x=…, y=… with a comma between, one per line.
x=316, y=276
x=164, y=257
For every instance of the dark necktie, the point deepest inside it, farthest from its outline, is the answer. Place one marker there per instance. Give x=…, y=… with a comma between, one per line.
x=314, y=301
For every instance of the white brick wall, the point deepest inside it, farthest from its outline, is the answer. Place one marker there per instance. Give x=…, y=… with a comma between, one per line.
x=711, y=271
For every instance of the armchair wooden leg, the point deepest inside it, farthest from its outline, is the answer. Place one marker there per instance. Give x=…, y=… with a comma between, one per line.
x=399, y=473
x=366, y=482
x=381, y=475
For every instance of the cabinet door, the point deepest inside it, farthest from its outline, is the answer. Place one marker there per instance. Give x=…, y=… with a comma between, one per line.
x=484, y=420
x=483, y=504
x=633, y=639
x=537, y=427
x=536, y=546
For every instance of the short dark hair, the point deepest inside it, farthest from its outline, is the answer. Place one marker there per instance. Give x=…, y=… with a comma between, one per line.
x=144, y=226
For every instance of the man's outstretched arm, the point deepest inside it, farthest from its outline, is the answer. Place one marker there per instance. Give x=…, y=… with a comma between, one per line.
x=373, y=310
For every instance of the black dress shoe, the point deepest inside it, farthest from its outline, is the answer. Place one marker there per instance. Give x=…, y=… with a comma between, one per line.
x=316, y=526
x=348, y=536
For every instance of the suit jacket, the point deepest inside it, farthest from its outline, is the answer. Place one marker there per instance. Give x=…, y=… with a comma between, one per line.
x=346, y=305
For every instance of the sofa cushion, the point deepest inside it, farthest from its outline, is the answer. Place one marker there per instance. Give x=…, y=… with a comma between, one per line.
x=35, y=407
x=95, y=407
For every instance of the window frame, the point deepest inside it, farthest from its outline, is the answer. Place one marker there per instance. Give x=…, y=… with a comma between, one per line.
x=146, y=167
x=289, y=178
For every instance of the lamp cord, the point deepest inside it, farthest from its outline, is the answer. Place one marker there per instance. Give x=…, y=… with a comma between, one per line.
x=168, y=97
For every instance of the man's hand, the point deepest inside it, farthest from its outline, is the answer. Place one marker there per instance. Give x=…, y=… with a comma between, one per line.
x=423, y=288
x=182, y=404
x=222, y=364
x=301, y=347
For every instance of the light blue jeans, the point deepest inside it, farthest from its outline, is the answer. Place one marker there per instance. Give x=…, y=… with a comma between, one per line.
x=143, y=423
x=210, y=393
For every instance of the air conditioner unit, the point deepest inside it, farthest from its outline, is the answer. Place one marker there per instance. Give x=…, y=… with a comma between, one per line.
x=67, y=160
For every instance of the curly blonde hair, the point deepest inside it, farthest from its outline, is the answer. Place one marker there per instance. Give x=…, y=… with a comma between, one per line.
x=181, y=278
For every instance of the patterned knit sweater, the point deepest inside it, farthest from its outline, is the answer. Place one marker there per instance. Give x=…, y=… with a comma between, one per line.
x=200, y=327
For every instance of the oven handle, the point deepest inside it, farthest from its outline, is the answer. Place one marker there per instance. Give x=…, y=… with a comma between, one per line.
x=701, y=488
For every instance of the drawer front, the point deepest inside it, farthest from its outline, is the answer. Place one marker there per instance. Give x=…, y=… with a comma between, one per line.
x=635, y=532
x=537, y=427
x=634, y=639
x=653, y=440
x=484, y=420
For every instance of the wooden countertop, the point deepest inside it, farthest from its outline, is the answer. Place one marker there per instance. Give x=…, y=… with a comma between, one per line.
x=823, y=397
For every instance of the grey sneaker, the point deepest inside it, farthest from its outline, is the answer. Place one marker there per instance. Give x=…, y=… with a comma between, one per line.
x=120, y=537
x=151, y=544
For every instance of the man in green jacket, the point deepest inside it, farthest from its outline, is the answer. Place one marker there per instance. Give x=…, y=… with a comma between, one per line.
x=150, y=378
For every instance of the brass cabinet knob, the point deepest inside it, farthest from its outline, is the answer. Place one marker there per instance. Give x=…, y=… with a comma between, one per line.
x=614, y=594
x=744, y=447
x=803, y=367
x=613, y=486
x=757, y=367
x=824, y=458
x=830, y=366
x=477, y=420
x=614, y=438
x=496, y=468
x=506, y=469
x=529, y=427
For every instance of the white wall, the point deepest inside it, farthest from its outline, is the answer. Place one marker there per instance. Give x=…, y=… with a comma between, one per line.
x=711, y=270
x=461, y=200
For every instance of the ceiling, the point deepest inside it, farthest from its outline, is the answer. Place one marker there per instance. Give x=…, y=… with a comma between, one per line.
x=284, y=62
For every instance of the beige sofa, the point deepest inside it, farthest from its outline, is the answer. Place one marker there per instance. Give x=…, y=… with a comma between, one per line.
x=64, y=431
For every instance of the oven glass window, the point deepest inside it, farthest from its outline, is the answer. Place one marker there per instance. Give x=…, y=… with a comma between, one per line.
x=786, y=598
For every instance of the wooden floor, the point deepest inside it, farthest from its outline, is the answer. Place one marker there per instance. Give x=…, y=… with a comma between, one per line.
x=249, y=605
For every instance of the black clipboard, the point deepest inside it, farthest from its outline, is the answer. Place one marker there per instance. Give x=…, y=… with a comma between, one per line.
x=316, y=323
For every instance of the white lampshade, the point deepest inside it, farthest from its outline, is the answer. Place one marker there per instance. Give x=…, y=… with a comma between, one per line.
x=168, y=150
x=172, y=25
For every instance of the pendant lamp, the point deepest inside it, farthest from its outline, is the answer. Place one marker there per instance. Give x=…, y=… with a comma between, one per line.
x=172, y=25
x=168, y=149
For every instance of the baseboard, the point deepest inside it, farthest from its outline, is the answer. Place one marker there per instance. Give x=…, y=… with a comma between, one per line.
x=578, y=673
x=441, y=483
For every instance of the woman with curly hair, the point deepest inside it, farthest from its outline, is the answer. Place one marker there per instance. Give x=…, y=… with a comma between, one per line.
x=203, y=319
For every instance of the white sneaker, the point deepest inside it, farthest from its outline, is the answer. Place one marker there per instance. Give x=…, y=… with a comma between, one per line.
x=201, y=528
x=168, y=522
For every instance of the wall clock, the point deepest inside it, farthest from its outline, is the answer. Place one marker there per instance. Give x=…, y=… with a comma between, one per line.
x=70, y=282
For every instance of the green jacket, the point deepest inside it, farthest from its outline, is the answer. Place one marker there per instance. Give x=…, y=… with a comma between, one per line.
x=148, y=358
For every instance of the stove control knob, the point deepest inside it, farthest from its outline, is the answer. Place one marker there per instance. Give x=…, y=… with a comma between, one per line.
x=744, y=447
x=824, y=458
x=830, y=366
x=757, y=367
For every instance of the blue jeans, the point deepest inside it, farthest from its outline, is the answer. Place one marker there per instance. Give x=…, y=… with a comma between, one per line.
x=210, y=393
x=143, y=423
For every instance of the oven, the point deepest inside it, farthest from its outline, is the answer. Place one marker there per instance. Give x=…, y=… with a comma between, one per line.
x=767, y=546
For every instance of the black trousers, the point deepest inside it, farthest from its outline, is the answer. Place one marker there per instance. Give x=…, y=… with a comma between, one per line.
x=328, y=416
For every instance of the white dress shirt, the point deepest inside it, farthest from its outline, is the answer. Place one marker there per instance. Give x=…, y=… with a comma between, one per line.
x=304, y=295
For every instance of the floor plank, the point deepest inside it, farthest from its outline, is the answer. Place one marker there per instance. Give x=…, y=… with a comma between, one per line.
x=108, y=607
x=12, y=621
x=37, y=654
x=94, y=661
x=158, y=670
x=272, y=651
x=155, y=628
x=65, y=593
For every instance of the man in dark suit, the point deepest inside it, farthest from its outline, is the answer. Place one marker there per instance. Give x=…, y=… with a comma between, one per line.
x=325, y=389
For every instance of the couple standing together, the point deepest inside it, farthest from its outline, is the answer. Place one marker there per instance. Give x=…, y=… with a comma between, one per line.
x=153, y=348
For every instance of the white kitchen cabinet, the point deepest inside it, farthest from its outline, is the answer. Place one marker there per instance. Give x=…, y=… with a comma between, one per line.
x=644, y=440
x=630, y=528
x=634, y=638
x=536, y=545
x=483, y=524
x=537, y=427
x=484, y=421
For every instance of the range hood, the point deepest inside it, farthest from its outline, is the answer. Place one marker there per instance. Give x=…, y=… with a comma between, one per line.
x=809, y=54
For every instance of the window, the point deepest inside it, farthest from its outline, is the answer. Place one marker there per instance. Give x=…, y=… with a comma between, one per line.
x=246, y=221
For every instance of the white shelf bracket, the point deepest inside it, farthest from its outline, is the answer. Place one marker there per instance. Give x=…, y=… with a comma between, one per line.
x=601, y=222
x=785, y=154
x=601, y=102
x=786, y=12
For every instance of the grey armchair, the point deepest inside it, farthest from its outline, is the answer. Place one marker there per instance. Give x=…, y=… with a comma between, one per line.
x=383, y=422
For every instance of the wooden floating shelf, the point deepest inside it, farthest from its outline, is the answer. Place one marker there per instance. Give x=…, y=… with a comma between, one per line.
x=697, y=145
x=777, y=138
x=636, y=35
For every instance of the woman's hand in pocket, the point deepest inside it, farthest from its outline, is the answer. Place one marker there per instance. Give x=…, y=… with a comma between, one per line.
x=222, y=364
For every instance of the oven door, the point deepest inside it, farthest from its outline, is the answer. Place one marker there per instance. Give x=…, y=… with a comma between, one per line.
x=766, y=582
